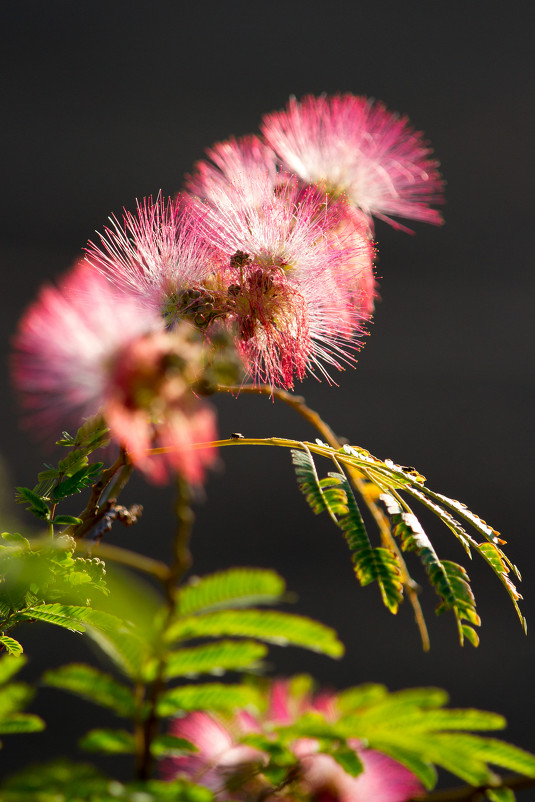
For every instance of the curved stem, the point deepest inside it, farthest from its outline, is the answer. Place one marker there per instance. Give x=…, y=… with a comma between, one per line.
x=298, y=403
x=131, y=559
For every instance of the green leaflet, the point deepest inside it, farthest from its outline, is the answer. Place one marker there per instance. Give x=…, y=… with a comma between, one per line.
x=321, y=495
x=12, y=646
x=214, y=658
x=237, y=587
x=500, y=795
x=94, y=685
x=272, y=626
x=347, y=758
x=352, y=699
x=9, y=666
x=70, y=616
x=171, y=745
x=334, y=495
x=14, y=696
x=371, y=564
x=208, y=696
x=21, y=722
x=449, y=580
x=126, y=647
x=110, y=741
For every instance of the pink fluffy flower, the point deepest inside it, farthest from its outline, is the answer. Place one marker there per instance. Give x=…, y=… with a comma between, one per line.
x=243, y=163
x=83, y=349
x=230, y=768
x=288, y=288
x=155, y=254
x=281, y=268
x=220, y=760
x=356, y=146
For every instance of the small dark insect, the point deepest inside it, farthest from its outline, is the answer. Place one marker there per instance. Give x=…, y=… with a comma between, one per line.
x=236, y=436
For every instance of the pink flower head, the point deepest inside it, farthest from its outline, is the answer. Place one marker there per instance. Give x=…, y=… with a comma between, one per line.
x=220, y=760
x=222, y=763
x=84, y=349
x=243, y=163
x=155, y=255
x=356, y=146
x=288, y=288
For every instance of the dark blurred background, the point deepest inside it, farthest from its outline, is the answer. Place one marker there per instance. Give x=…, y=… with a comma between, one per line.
x=106, y=102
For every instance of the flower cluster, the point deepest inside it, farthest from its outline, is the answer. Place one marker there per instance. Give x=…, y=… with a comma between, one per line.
x=270, y=245
x=232, y=769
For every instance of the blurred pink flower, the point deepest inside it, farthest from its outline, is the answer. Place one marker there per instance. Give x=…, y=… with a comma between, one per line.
x=353, y=145
x=83, y=349
x=230, y=768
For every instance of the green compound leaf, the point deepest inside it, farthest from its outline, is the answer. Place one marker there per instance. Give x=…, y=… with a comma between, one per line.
x=237, y=587
x=35, y=503
x=413, y=728
x=110, y=741
x=272, y=626
x=84, y=477
x=214, y=658
x=391, y=481
x=209, y=696
x=93, y=685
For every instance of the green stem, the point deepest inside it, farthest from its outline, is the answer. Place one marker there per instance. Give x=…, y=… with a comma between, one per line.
x=131, y=559
x=147, y=730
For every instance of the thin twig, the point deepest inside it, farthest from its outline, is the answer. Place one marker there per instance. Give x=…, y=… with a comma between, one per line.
x=298, y=403
x=101, y=500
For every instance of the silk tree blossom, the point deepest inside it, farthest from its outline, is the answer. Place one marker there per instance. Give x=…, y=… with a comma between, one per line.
x=288, y=288
x=234, y=770
x=83, y=349
x=155, y=255
x=245, y=163
x=250, y=166
x=276, y=266
x=356, y=146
